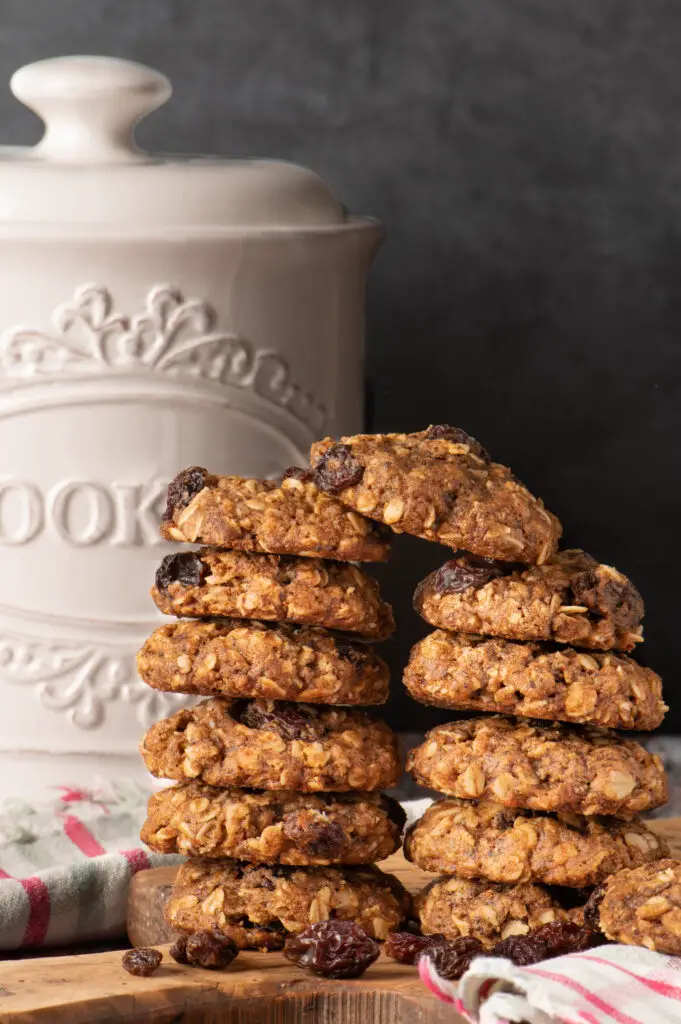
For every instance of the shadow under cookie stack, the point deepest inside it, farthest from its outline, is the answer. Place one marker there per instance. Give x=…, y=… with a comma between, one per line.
x=532, y=638
x=277, y=801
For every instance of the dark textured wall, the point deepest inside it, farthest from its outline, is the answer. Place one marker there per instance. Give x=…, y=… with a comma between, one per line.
x=525, y=156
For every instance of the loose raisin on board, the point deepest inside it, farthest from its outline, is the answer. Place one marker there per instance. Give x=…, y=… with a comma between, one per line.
x=142, y=962
x=211, y=950
x=452, y=959
x=332, y=949
x=337, y=469
x=178, y=950
x=406, y=948
x=550, y=940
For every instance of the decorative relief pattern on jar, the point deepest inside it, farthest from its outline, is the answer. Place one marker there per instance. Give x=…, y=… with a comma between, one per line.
x=69, y=526
x=172, y=334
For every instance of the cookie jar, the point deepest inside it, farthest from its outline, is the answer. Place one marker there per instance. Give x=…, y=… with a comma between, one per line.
x=155, y=312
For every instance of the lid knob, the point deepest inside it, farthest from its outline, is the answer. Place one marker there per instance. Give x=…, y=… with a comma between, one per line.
x=90, y=106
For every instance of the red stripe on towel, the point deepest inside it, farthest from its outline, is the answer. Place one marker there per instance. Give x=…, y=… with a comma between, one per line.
x=38, y=912
x=137, y=859
x=661, y=987
x=600, y=1004
x=82, y=837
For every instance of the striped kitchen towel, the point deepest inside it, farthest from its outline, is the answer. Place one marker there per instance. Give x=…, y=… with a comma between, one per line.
x=608, y=985
x=65, y=866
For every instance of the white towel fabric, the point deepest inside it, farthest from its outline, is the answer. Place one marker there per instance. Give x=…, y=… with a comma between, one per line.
x=607, y=985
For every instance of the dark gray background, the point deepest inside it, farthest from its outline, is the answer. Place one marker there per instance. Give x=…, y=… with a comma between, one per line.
x=525, y=156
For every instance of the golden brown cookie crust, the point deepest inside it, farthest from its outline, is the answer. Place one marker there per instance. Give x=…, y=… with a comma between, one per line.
x=531, y=680
x=481, y=839
x=520, y=763
x=440, y=485
x=314, y=748
x=642, y=907
x=291, y=517
x=456, y=907
x=258, y=906
x=571, y=599
x=264, y=827
x=276, y=588
x=245, y=658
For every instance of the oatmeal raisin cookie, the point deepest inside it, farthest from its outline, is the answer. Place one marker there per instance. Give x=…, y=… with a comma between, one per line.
x=523, y=763
x=292, y=517
x=246, y=658
x=438, y=484
x=268, y=827
x=308, y=591
x=641, y=907
x=259, y=906
x=481, y=839
x=489, y=912
x=273, y=745
x=572, y=599
x=534, y=680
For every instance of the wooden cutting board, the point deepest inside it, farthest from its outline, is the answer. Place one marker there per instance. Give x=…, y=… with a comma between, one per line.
x=259, y=988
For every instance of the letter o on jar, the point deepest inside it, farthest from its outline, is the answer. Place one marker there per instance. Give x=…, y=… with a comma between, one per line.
x=75, y=496
x=26, y=520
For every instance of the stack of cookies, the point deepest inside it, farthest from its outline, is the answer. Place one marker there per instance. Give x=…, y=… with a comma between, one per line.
x=534, y=634
x=277, y=800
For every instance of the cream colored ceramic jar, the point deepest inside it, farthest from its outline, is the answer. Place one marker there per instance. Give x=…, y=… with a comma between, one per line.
x=156, y=312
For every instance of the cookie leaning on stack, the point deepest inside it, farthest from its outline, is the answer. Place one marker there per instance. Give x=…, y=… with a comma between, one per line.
x=530, y=803
x=277, y=801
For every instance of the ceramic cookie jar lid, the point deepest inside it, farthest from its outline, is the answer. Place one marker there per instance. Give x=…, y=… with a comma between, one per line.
x=88, y=175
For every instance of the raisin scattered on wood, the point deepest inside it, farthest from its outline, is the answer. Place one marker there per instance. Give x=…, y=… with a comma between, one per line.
x=550, y=940
x=185, y=567
x=332, y=949
x=457, y=436
x=337, y=469
x=207, y=949
x=406, y=947
x=183, y=488
x=142, y=962
x=210, y=950
x=452, y=959
x=178, y=950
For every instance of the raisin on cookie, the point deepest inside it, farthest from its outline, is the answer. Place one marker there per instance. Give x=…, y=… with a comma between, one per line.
x=246, y=658
x=273, y=745
x=308, y=591
x=542, y=767
x=267, y=827
x=482, y=839
x=534, y=680
x=292, y=517
x=438, y=484
x=641, y=907
x=257, y=906
x=571, y=599
x=486, y=911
